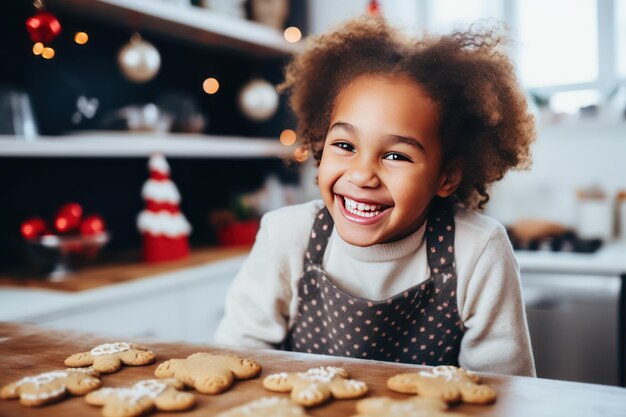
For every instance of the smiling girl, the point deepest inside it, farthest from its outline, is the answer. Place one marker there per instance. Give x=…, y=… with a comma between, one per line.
x=394, y=263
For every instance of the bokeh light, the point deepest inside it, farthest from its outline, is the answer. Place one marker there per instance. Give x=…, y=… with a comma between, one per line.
x=47, y=52
x=301, y=154
x=288, y=137
x=292, y=34
x=210, y=86
x=81, y=38
x=38, y=48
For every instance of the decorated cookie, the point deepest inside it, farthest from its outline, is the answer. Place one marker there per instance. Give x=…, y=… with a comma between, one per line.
x=109, y=357
x=209, y=373
x=448, y=383
x=51, y=386
x=413, y=407
x=266, y=407
x=142, y=397
x=316, y=385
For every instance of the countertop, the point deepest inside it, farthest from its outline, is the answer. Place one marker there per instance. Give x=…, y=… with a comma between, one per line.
x=610, y=259
x=28, y=350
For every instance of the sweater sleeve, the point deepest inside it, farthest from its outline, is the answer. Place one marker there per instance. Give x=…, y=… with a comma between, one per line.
x=257, y=303
x=496, y=336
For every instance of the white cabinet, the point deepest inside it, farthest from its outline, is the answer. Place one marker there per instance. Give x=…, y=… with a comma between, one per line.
x=185, y=305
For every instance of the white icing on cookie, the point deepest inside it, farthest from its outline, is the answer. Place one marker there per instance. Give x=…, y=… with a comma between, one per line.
x=109, y=348
x=43, y=395
x=41, y=379
x=447, y=372
x=311, y=393
x=148, y=388
x=322, y=374
x=354, y=385
x=279, y=377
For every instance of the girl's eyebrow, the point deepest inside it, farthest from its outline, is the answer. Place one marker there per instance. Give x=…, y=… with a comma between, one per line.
x=408, y=140
x=346, y=126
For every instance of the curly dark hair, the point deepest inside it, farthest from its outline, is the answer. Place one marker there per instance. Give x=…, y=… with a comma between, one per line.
x=484, y=126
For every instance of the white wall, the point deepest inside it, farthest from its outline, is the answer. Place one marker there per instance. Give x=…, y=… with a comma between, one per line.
x=565, y=159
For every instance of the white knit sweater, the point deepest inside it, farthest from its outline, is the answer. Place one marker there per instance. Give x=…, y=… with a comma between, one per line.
x=263, y=298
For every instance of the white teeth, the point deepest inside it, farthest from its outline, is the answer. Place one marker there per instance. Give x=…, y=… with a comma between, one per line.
x=362, y=209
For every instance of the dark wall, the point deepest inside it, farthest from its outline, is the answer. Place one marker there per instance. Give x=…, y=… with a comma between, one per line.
x=111, y=186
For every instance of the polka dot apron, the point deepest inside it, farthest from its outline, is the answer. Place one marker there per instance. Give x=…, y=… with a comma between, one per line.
x=420, y=325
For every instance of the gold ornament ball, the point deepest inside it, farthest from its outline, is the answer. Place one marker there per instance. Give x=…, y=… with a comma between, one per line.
x=139, y=60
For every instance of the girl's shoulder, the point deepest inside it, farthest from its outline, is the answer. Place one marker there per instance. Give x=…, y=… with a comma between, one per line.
x=477, y=226
x=291, y=223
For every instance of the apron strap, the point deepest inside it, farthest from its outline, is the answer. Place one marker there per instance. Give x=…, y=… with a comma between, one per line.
x=320, y=233
x=440, y=236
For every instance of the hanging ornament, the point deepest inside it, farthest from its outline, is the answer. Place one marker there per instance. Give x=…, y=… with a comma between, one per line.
x=33, y=228
x=258, y=100
x=85, y=107
x=373, y=8
x=43, y=27
x=139, y=60
x=92, y=225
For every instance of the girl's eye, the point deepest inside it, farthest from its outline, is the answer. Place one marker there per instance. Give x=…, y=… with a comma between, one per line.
x=345, y=146
x=397, y=157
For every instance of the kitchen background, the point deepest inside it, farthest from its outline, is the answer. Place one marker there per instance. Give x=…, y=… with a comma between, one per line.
x=77, y=128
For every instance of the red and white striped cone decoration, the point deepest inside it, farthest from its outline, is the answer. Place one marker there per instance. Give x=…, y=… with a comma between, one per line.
x=164, y=228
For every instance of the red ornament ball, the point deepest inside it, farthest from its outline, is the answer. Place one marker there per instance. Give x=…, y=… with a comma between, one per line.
x=373, y=8
x=34, y=227
x=43, y=27
x=92, y=225
x=69, y=217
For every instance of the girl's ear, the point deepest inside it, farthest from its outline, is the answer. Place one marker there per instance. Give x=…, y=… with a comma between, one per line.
x=450, y=179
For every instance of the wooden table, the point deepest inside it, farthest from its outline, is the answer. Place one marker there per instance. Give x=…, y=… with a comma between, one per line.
x=28, y=350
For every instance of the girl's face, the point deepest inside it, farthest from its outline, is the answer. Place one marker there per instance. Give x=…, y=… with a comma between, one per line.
x=382, y=160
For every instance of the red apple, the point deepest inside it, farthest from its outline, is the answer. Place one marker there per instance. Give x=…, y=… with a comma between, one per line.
x=92, y=225
x=33, y=227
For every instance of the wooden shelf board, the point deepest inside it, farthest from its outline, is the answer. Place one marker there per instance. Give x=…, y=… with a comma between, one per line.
x=185, y=22
x=141, y=145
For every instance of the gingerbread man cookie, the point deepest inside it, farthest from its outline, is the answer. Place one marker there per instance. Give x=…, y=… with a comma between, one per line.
x=51, y=386
x=413, y=407
x=209, y=373
x=316, y=385
x=449, y=383
x=142, y=397
x=109, y=357
x=266, y=407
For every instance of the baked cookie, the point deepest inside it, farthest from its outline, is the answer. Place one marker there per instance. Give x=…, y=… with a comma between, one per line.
x=448, y=383
x=413, y=407
x=109, y=357
x=142, y=397
x=316, y=385
x=266, y=407
x=209, y=373
x=51, y=386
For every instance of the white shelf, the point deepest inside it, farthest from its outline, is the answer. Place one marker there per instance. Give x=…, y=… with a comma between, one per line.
x=185, y=22
x=140, y=144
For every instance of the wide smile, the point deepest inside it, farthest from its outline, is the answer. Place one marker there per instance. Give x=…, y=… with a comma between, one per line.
x=362, y=212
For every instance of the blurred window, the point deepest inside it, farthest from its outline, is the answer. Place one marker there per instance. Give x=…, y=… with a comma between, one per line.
x=620, y=27
x=558, y=42
x=447, y=15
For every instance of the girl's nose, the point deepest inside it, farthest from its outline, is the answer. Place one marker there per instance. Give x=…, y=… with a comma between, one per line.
x=362, y=173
